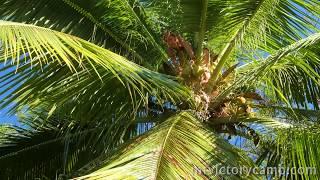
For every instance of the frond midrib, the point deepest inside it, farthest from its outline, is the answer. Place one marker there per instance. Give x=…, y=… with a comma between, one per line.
x=202, y=28
x=154, y=42
x=254, y=73
x=163, y=146
x=37, y=146
x=224, y=55
x=104, y=28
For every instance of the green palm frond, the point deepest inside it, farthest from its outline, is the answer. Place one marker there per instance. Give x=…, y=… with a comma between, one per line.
x=4, y=129
x=258, y=70
x=298, y=115
x=298, y=153
x=56, y=153
x=170, y=151
x=294, y=78
x=121, y=26
x=264, y=121
x=72, y=68
x=235, y=23
x=249, y=25
x=233, y=26
x=256, y=22
x=186, y=16
x=59, y=72
x=49, y=61
x=62, y=144
x=193, y=18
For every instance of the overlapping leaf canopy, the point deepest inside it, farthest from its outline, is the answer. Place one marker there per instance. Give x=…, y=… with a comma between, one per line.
x=169, y=151
x=76, y=66
x=64, y=67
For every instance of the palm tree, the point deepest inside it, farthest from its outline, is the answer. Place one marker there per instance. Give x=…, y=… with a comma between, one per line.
x=153, y=89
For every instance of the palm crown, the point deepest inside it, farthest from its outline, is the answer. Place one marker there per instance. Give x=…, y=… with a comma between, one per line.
x=152, y=89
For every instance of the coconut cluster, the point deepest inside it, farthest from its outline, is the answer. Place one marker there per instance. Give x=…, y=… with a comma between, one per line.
x=197, y=74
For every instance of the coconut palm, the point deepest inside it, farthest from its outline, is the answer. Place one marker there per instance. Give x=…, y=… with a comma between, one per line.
x=153, y=89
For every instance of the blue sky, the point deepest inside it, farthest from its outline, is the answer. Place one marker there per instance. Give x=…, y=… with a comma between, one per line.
x=4, y=117
x=7, y=119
